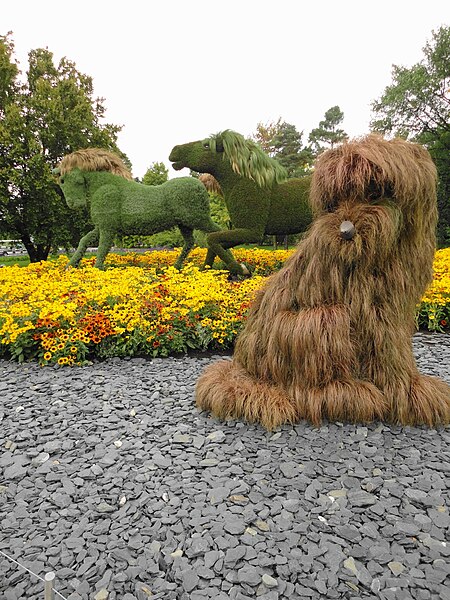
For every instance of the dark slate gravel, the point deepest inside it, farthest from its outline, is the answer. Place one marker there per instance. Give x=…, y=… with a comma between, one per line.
x=111, y=478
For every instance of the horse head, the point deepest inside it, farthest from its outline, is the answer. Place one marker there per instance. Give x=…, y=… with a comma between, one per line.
x=202, y=156
x=74, y=169
x=74, y=187
x=227, y=152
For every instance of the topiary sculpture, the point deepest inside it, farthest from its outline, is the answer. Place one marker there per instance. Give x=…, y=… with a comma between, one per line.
x=258, y=199
x=118, y=205
x=329, y=337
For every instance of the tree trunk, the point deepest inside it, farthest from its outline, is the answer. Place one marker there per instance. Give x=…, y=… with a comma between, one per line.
x=36, y=252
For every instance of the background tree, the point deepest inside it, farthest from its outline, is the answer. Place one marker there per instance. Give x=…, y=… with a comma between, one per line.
x=328, y=133
x=290, y=151
x=265, y=134
x=282, y=141
x=156, y=174
x=416, y=106
x=49, y=114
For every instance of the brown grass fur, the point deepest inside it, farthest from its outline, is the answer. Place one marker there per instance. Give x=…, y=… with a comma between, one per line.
x=94, y=159
x=211, y=183
x=329, y=336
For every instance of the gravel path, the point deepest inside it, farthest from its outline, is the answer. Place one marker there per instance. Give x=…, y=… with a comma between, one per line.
x=111, y=478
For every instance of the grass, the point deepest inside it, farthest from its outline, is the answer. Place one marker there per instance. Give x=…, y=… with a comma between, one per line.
x=8, y=261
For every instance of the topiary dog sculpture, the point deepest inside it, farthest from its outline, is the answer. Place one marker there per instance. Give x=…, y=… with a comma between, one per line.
x=329, y=336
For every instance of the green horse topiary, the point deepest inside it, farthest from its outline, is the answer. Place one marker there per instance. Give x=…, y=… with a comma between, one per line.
x=259, y=200
x=118, y=205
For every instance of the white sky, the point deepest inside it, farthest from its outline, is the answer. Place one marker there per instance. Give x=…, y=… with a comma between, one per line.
x=174, y=71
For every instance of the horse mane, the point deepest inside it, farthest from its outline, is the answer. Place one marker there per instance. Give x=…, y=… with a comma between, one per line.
x=247, y=158
x=94, y=159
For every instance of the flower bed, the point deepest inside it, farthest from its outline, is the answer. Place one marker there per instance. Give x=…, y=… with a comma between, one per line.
x=141, y=305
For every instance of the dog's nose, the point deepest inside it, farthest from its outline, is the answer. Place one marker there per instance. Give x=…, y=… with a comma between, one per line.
x=347, y=230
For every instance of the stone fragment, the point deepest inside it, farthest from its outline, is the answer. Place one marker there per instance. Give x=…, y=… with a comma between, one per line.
x=361, y=498
x=199, y=546
x=289, y=469
x=238, y=499
x=249, y=575
x=15, y=471
x=269, y=581
x=105, y=507
x=216, y=436
x=182, y=438
x=234, y=526
x=349, y=564
x=341, y=493
x=396, y=567
x=234, y=555
x=53, y=446
x=162, y=461
x=262, y=525
x=189, y=580
x=40, y=459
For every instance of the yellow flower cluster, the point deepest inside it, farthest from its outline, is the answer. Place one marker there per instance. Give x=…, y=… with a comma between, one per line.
x=62, y=315
x=140, y=305
x=434, y=311
x=262, y=262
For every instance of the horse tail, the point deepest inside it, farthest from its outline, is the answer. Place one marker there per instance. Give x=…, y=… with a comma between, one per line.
x=211, y=183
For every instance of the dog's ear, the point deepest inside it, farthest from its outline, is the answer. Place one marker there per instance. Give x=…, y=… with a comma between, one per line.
x=219, y=145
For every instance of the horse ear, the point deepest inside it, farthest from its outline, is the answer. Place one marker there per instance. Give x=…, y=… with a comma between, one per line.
x=219, y=145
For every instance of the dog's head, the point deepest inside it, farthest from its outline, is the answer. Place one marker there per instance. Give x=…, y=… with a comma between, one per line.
x=369, y=193
x=372, y=169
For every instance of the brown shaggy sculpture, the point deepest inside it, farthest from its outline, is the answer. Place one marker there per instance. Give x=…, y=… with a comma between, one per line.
x=329, y=336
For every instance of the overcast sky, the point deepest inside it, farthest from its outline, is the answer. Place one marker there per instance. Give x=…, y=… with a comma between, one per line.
x=173, y=71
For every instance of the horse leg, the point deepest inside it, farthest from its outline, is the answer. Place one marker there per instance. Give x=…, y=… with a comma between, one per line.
x=188, y=236
x=209, y=227
x=104, y=246
x=219, y=243
x=85, y=241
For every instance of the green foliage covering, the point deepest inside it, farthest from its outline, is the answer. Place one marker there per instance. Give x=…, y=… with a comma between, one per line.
x=172, y=238
x=416, y=106
x=275, y=209
x=119, y=206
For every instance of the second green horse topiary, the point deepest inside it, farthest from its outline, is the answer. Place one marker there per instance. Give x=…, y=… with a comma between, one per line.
x=258, y=197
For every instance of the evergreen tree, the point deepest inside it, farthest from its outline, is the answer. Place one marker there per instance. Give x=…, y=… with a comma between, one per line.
x=328, y=134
